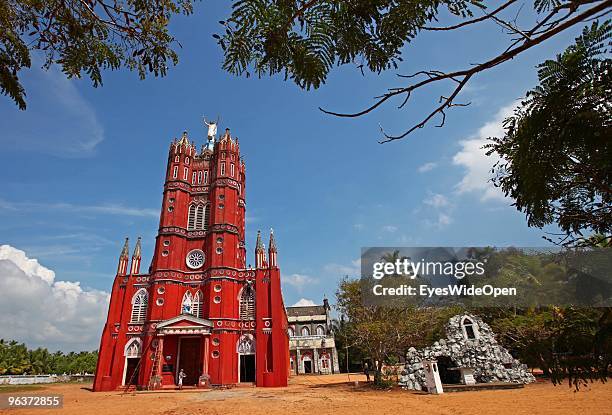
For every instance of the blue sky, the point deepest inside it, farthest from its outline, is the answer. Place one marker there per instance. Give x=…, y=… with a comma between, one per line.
x=82, y=168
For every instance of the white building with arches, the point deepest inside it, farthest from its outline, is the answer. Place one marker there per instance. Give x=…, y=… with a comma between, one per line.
x=312, y=348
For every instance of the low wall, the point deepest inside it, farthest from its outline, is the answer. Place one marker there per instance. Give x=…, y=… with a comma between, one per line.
x=34, y=379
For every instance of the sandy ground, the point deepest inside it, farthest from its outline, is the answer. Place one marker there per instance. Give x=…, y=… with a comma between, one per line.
x=320, y=395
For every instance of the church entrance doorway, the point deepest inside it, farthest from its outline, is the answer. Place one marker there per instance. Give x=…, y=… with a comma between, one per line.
x=189, y=360
x=131, y=371
x=247, y=368
x=246, y=358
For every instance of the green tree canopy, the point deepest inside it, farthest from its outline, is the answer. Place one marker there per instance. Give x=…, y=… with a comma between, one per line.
x=556, y=154
x=84, y=37
x=305, y=39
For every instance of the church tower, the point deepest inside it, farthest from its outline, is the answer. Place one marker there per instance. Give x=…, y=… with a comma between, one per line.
x=199, y=309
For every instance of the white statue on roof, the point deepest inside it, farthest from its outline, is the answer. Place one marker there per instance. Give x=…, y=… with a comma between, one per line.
x=212, y=129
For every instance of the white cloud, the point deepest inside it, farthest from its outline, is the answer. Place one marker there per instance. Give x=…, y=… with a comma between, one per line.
x=476, y=163
x=105, y=209
x=299, y=281
x=340, y=270
x=427, y=167
x=443, y=220
x=390, y=228
x=358, y=226
x=40, y=311
x=58, y=120
x=304, y=302
x=437, y=201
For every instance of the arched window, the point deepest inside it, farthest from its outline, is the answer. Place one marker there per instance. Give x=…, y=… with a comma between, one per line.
x=133, y=348
x=196, y=305
x=291, y=332
x=187, y=304
x=206, y=216
x=247, y=303
x=320, y=330
x=305, y=331
x=139, y=306
x=191, y=218
x=470, y=330
x=198, y=217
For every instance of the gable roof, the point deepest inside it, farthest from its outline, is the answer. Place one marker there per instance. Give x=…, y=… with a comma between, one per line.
x=185, y=320
x=311, y=310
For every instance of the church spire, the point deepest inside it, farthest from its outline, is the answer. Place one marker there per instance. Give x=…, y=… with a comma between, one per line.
x=136, y=258
x=260, y=252
x=272, y=249
x=123, y=258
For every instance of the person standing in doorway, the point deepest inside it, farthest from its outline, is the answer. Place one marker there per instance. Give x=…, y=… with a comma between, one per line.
x=181, y=376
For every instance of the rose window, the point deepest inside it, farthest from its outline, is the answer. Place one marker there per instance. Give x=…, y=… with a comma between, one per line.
x=195, y=259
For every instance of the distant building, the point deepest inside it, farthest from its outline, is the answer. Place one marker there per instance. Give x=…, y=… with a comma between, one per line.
x=312, y=348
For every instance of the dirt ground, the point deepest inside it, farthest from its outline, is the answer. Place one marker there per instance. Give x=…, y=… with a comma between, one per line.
x=321, y=395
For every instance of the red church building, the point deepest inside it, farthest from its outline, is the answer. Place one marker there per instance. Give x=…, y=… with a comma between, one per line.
x=199, y=309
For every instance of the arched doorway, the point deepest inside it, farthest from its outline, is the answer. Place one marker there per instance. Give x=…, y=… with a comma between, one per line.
x=246, y=358
x=445, y=368
x=307, y=363
x=132, y=353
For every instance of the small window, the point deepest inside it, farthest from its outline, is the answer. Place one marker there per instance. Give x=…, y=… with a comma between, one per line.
x=219, y=250
x=177, y=159
x=305, y=331
x=199, y=177
x=223, y=155
x=193, y=178
x=291, y=332
x=205, y=176
x=232, y=169
x=175, y=172
x=165, y=253
x=161, y=290
x=222, y=173
x=221, y=206
x=186, y=160
x=221, y=197
x=217, y=299
x=166, y=243
x=185, y=173
x=469, y=328
x=320, y=331
x=219, y=240
x=170, y=209
x=215, y=354
x=217, y=288
x=159, y=301
x=171, y=200
x=216, y=341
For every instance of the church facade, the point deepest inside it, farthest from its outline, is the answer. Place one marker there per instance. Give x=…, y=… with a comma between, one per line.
x=312, y=346
x=199, y=309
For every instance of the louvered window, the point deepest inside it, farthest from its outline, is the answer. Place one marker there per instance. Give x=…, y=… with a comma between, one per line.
x=139, y=306
x=198, y=218
x=247, y=303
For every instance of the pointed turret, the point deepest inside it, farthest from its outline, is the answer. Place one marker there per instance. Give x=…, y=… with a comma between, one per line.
x=272, y=249
x=260, y=252
x=136, y=258
x=124, y=258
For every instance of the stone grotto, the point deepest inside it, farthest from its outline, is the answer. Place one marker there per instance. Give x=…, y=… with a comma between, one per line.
x=470, y=347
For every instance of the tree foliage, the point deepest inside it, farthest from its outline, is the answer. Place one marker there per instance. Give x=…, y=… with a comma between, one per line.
x=306, y=39
x=86, y=37
x=17, y=359
x=557, y=149
x=383, y=334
